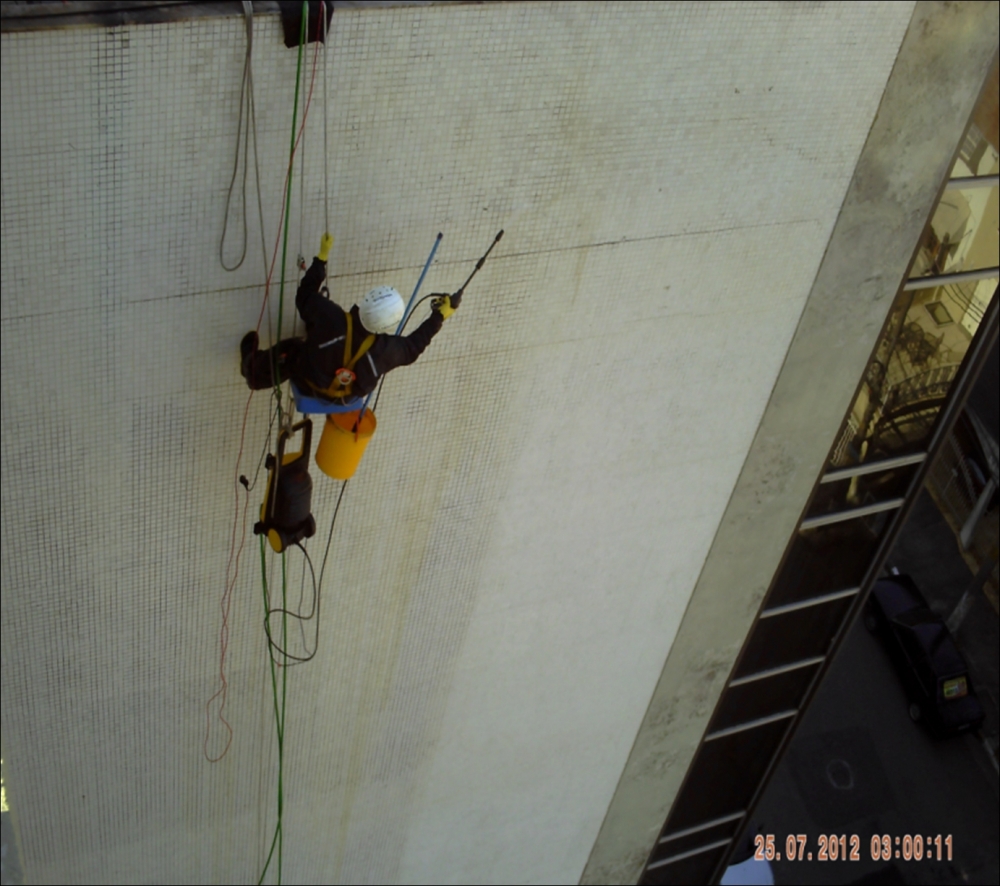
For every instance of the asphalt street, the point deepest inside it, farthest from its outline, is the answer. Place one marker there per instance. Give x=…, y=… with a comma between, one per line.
x=859, y=766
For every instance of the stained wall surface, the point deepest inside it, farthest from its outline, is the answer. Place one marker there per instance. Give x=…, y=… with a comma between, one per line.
x=515, y=554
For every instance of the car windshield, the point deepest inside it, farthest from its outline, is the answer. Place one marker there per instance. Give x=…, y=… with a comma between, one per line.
x=894, y=599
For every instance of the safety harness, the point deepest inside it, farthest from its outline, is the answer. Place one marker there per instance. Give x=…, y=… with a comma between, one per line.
x=344, y=378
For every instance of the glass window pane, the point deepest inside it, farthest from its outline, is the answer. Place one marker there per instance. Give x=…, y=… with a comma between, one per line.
x=856, y=492
x=960, y=474
x=829, y=558
x=693, y=841
x=761, y=698
x=696, y=869
x=724, y=775
x=977, y=156
x=793, y=636
x=962, y=235
x=915, y=362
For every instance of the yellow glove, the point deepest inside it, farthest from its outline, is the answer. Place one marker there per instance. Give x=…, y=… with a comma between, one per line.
x=443, y=305
x=325, y=245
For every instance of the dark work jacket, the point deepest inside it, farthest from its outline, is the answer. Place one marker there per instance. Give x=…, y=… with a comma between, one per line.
x=326, y=326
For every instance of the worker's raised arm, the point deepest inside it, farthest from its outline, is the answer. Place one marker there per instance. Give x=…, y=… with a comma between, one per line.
x=404, y=349
x=308, y=292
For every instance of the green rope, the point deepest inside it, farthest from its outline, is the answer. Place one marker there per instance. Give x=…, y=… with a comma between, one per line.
x=279, y=714
x=288, y=192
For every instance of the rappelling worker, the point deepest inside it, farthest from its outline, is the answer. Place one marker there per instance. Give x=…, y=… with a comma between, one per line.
x=344, y=353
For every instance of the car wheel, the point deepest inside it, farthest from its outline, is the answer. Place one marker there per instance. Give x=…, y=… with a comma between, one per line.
x=916, y=714
x=870, y=623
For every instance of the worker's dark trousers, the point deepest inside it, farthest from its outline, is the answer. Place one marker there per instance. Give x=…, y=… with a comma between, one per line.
x=258, y=367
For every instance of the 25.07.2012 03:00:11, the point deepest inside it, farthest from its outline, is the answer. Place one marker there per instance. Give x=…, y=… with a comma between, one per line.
x=834, y=847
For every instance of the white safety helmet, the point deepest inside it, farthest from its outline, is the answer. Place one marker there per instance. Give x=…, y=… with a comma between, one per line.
x=382, y=309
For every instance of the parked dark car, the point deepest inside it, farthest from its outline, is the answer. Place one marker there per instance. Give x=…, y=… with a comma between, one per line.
x=933, y=671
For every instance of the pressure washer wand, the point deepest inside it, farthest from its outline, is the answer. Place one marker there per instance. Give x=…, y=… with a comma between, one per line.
x=455, y=299
x=423, y=273
x=479, y=264
x=402, y=322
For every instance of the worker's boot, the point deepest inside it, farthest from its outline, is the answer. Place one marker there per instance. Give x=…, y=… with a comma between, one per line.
x=248, y=347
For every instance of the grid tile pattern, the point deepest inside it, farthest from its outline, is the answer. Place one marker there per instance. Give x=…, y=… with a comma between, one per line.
x=518, y=547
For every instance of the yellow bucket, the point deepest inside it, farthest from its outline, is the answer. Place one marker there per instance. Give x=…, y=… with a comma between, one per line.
x=340, y=448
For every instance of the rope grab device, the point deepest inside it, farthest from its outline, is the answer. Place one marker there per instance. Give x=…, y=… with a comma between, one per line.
x=286, y=514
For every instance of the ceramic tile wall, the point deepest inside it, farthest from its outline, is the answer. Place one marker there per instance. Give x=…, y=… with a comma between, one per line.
x=516, y=551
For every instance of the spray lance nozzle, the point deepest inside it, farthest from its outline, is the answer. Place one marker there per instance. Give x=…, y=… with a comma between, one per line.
x=457, y=297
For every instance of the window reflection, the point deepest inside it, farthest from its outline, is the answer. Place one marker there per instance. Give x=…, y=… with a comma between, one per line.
x=929, y=330
x=925, y=340
x=978, y=156
x=962, y=235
